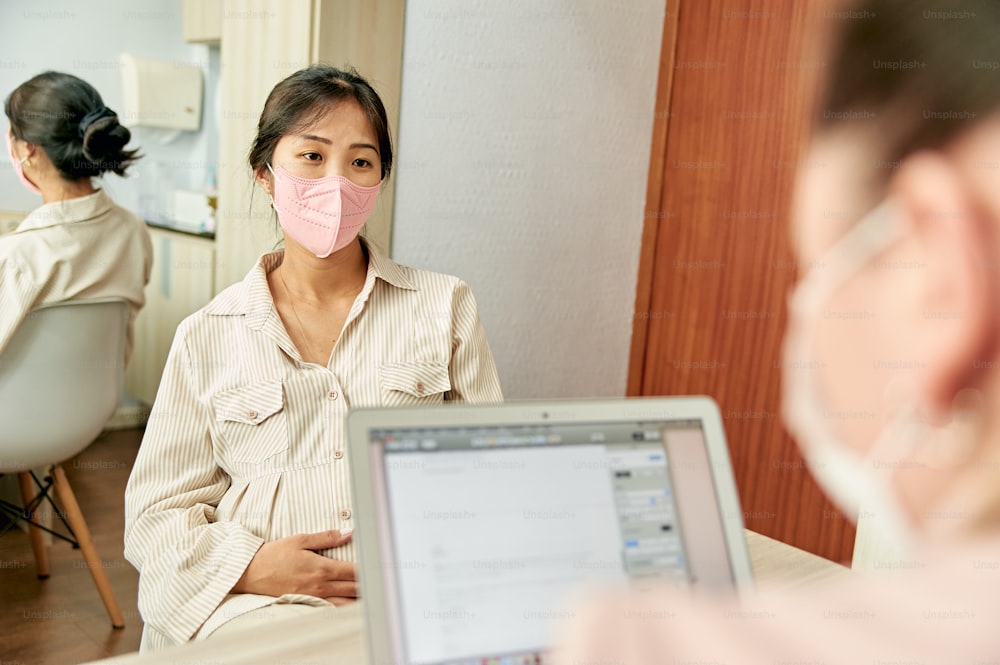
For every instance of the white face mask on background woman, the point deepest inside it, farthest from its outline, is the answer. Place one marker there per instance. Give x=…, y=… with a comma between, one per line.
x=323, y=215
x=857, y=484
x=18, y=165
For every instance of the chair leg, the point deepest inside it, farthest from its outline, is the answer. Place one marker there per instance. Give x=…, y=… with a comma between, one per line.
x=90, y=556
x=37, y=543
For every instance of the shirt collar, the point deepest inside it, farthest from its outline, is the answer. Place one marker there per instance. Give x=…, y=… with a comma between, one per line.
x=257, y=301
x=79, y=209
x=258, y=304
x=386, y=269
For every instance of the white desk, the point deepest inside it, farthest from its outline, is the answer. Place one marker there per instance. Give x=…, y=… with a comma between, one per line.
x=315, y=640
x=781, y=567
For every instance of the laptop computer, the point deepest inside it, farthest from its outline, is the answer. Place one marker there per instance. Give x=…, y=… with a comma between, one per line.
x=476, y=525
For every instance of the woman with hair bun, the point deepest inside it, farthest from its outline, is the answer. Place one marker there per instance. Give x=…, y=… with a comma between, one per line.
x=78, y=244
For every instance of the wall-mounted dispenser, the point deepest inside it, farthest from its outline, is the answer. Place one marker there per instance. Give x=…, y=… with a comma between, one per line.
x=161, y=93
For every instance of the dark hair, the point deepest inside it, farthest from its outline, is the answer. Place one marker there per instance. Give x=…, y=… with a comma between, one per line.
x=66, y=117
x=303, y=98
x=918, y=73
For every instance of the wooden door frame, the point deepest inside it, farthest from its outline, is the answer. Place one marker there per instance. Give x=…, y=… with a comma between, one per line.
x=652, y=213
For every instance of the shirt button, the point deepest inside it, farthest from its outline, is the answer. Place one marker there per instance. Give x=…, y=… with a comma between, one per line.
x=338, y=454
x=331, y=395
x=252, y=415
x=345, y=514
x=419, y=387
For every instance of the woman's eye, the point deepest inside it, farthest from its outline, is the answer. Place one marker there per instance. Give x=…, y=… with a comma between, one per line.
x=313, y=156
x=362, y=163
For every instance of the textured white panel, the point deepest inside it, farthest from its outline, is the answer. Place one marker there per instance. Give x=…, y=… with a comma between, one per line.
x=524, y=148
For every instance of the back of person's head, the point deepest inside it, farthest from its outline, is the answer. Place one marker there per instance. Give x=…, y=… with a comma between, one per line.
x=911, y=74
x=66, y=116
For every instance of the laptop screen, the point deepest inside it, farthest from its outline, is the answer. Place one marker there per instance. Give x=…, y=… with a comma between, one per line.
x=494, y=529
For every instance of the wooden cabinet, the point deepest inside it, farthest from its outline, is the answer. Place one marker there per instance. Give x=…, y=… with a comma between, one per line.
x=202, y=21
x=181, y=283
x=263, y=41
x=368, y=35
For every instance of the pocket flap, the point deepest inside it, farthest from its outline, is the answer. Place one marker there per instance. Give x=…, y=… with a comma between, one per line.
x=251, y=404
x=418, y=379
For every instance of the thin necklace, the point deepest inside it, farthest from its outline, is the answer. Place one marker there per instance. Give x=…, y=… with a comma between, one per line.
x=295, y=313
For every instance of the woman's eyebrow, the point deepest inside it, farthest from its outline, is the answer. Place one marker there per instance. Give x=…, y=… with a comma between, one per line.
x=313, y=137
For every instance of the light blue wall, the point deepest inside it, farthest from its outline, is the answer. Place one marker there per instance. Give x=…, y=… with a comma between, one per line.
x=85, y=39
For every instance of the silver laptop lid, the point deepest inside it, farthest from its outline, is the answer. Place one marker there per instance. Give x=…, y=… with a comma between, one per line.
x=477, y=524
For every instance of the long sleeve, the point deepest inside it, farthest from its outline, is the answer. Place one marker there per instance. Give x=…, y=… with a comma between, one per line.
x=18, y=294
x=473, y=373
x=187, y=561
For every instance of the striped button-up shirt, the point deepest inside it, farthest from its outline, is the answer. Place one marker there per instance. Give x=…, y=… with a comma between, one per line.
x=246, y=444
x=80, y=248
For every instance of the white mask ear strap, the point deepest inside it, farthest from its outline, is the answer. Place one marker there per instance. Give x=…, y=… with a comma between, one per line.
x=870, y=236
x=270, y=195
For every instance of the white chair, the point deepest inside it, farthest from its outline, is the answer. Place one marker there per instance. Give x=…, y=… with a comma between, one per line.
x=61, y=378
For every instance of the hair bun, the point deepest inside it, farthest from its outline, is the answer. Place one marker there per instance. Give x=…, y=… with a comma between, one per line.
x=49, y=110
x=104, y=138
x=98, y=113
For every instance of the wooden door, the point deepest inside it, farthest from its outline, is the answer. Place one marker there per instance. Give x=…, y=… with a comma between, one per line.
x=736, y=93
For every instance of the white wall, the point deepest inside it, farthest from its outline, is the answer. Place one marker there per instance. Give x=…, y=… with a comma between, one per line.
x=85, y=39
x=523, y=154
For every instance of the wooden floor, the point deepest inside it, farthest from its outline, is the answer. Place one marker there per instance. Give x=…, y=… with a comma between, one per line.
x=61, y=620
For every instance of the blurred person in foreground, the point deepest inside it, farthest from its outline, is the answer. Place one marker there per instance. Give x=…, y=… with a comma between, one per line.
x=918, y=247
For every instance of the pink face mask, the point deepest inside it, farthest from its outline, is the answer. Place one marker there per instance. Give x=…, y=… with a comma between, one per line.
x=323, y=215
x=18, y=165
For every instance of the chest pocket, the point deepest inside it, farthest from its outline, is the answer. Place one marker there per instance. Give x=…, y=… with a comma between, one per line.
x=413, y=383
x=252, y=421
